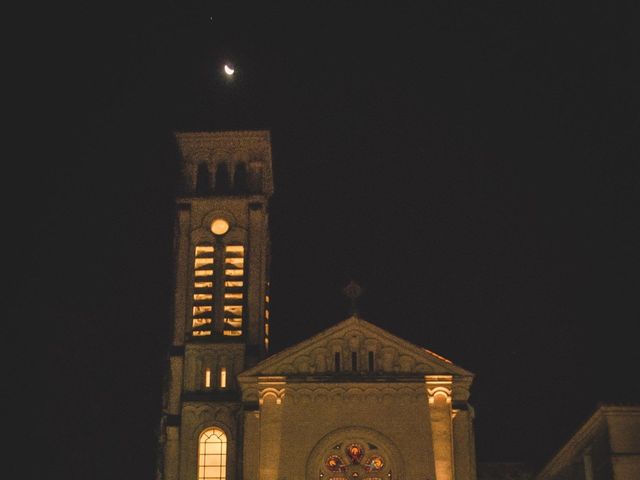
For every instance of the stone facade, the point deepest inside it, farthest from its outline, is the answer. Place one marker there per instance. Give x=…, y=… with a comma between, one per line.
x=408, y=402
x=353, y=402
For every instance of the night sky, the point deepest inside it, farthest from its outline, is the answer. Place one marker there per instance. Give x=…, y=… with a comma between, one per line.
x=473, y=165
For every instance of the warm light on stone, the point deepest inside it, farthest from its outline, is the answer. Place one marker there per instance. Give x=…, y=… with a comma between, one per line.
x=223, y=377
x=381, y=407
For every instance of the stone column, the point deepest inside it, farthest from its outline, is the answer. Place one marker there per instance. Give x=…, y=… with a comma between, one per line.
x=272, y=392
x=439, y=389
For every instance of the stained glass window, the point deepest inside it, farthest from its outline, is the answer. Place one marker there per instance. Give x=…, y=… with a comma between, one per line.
x=352, y=461
x=335, y=463
x=355, y=453
x=374, y=463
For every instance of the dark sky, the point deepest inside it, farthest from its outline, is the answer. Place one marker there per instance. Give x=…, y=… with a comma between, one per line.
x=474, y=165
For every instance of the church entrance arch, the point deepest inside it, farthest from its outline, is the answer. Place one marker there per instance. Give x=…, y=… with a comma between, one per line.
x=355, y=453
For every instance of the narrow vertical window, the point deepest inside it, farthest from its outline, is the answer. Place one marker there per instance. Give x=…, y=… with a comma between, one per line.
x=223, y=377
x=354, y=361
x=336, y=361
x=202, y=310
x=212, y=455
x=207, y=378
x=233, y=289
x=371, y=363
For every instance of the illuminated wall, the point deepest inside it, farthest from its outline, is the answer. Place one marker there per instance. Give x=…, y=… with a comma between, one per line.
x=351, y=403
x=409, y=410
x=220, y=294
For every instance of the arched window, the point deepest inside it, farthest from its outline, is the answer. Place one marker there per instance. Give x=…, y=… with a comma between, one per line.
x=223, y=180
x=241, y=178
x=203, y=179
x=212, y=455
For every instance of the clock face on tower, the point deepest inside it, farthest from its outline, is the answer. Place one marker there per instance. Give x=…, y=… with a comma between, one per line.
x=219, y=226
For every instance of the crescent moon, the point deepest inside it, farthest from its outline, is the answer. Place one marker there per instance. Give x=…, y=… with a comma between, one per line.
x=228, y=70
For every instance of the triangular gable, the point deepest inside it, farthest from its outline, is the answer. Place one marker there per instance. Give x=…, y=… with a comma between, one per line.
x=393, y=355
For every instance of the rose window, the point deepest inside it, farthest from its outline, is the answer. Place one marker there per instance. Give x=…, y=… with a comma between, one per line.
x=354, y=461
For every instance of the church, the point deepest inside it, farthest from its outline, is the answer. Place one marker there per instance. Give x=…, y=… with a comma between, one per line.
x=353, y=402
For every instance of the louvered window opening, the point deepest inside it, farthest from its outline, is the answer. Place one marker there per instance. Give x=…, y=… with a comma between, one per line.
x=205, y=290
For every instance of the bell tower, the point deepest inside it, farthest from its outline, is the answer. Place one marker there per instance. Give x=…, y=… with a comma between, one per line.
x=221, y=303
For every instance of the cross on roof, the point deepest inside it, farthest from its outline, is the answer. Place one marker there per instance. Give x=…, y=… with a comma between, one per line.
x=353, y=291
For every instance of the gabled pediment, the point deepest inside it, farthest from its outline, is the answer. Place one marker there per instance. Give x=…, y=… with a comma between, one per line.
x=392, y=356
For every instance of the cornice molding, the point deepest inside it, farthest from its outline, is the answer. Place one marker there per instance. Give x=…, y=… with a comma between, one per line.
x=595, y=424
x=393, y=355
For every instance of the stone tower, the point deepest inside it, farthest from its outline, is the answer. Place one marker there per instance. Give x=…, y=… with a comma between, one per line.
x=221, y=303
x=353, y=402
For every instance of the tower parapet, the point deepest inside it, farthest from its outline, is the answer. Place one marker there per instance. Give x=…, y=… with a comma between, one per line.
x=225, y=163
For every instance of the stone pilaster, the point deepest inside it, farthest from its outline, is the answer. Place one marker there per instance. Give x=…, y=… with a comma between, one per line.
x=251, y=446
x=271, y=397
x=171, y=453
x=256, y=275
x=176, y=364
x=182, y=275
x=439, y=390
x=463, y=441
